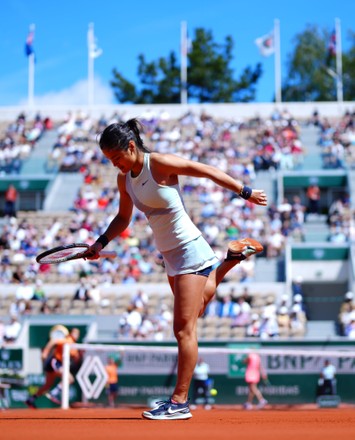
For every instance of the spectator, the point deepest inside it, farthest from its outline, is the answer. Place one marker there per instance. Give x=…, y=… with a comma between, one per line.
x=297, y=321
x=24, y=290
x=253, y=329
x=242, y=313
x=140, y=300
x=226, y=308
x=2, y=332
x=283, y=318
x=38, y=292
x=297, y=288
x=213, y=307
x=12, y=330
x=345, y=311
x=82, y=292
x=94, y=292
x=10, y=201
x=313, y=195
x=269, y=327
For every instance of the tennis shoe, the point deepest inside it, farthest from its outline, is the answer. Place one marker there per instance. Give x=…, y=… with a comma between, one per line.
x=241, y=249
x=54, y=398
x=262, y=404
x=247, y=405
x=30, y=402
x=167, y=410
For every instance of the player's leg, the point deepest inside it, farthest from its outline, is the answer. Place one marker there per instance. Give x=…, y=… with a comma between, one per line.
x=238, y=250
x=55, y=395
x=50, y=378
x=259, y=396
x=251, y=393
x=188, y=290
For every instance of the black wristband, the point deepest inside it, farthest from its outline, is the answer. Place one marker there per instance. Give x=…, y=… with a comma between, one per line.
x=246, y=192
x=103, y=240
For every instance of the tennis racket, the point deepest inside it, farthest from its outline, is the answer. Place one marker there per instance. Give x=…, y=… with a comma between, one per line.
x=68, y=252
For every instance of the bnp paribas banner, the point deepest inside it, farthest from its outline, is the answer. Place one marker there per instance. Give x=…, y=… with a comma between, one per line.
x=233, y=364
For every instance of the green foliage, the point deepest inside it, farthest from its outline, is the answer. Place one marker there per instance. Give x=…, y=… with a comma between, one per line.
x=310, y=68
x=210, y=77
x=349, y=70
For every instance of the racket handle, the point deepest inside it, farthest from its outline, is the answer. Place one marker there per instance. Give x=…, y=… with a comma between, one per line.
x=108, y=254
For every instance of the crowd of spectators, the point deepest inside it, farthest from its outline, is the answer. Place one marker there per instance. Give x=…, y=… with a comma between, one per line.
x=18, y=140
x=337, y=139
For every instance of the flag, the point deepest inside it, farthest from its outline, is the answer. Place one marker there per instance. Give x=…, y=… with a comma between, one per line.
x=332, y=45
x=266, y=44
x=29, y=42
x=94, y=50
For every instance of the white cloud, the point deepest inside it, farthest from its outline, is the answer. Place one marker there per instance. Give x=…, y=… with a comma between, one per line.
x=77, y=94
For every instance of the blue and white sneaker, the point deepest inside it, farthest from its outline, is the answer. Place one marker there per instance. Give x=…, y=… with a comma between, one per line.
x=54, y=397
x=167, y=410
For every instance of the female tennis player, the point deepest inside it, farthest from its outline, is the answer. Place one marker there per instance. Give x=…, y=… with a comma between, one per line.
x=149, y=181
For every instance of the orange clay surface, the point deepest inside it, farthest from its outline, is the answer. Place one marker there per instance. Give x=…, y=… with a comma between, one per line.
x=220, y=423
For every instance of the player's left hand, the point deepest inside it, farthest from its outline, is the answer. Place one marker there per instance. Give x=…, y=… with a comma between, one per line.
x=258, y=197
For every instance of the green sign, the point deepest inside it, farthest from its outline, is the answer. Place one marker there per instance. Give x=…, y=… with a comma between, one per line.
x=325, y=181
x=320, y=253
x=236, y=362
x=11, y=359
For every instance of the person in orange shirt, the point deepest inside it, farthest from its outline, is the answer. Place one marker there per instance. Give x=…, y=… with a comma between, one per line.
x=313, y=195
x=10, y=201
x=52, y=357
x=254, y=371
x=112, y=381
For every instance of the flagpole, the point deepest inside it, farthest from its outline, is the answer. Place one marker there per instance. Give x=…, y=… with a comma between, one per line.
x=91, y=43
x=183, y=62
x=339, y=63
x=277, y=61
x=31, y=74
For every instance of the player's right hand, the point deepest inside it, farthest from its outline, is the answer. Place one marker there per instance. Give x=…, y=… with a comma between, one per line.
x=93, y=252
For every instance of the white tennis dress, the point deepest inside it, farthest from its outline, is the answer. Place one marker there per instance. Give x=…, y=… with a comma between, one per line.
x=181, y=243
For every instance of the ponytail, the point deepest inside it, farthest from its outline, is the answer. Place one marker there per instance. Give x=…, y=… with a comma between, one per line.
x=119, y=135
x=137, y=127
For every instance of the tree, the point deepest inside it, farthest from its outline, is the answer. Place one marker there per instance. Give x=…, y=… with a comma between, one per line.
x=210, y=77
x=349, y=70
x=310, y=68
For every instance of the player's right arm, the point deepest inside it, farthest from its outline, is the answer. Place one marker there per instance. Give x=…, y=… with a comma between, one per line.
x=47, y=349
x=120, y=221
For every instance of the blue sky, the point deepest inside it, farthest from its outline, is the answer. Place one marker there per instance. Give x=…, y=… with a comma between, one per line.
x=124, y=29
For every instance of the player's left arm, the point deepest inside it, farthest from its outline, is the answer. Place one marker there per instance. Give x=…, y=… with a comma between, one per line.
x=172, y=166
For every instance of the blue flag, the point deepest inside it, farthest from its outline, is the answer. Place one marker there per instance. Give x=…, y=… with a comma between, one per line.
x=29, y=43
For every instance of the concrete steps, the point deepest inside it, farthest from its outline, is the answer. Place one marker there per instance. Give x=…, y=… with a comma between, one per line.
x=315, y=228
x=37, y=162
x=312, y=159
x=63, y=192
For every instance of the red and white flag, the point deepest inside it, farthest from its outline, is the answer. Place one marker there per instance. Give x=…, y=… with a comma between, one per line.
x=266, y=44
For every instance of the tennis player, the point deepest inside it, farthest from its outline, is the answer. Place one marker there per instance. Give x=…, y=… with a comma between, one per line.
x=253, y=373
x=52, y=357
x=150, y=181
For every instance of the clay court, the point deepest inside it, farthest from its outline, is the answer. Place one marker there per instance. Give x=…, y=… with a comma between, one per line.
x=220, y=423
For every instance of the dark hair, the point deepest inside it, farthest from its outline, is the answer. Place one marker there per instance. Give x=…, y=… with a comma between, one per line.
x=119, y=134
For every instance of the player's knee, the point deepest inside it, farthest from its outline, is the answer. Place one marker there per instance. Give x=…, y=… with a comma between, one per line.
x=183, y=330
